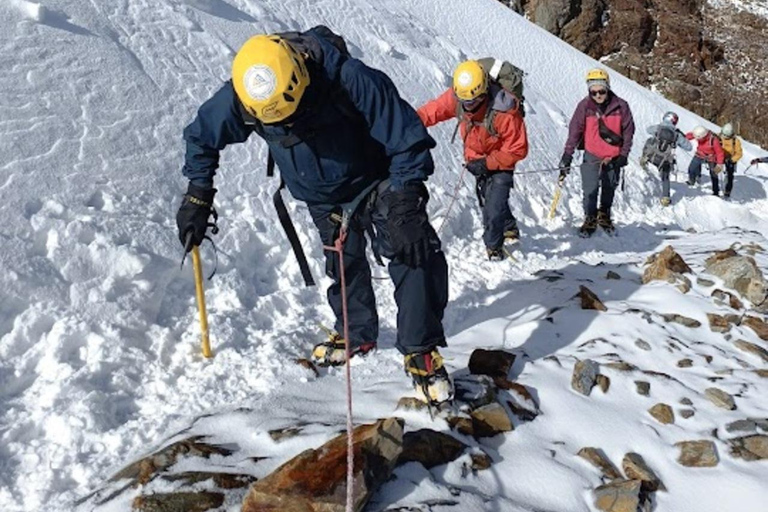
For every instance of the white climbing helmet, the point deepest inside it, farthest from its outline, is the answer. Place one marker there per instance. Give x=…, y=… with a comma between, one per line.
x=728, y=130
x=700, y=132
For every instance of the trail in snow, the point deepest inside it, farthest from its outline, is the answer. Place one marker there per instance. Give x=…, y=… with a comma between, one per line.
x=99, y=355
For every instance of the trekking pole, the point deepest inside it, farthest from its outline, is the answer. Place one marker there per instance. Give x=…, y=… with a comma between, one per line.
x=198, y=270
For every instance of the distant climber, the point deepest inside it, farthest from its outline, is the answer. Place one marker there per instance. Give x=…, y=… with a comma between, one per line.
x=709, y=152
x=732, y=150
x=659, y=150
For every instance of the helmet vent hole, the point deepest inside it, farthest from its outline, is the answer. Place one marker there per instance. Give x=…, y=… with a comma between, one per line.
x=288, y=97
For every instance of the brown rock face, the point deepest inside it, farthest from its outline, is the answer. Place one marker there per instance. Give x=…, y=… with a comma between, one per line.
x=750, y=448
x=589, y=300
x=598, y=459
x=171, y=502
x=430, y=448
x=636, y=468
x=759, y=326
x=618, y=496
x=697, y=55
x=697, y=454
x=494, y=363
x=315, y=480
x=665, y=266
x=663, y=414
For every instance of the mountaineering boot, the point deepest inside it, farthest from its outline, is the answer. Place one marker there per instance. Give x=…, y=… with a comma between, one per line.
x=605, y=222
x=430, y=379
x=589, y=227
x=495, y=254
x=512, y=236
x=690, y=183
x=726, y=195
x=665, y=201
x=334, y=351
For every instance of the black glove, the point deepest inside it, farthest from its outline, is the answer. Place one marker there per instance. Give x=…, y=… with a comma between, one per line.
x=618, y=162
x=478, y=167
x=754, y=161
x=565, y=165
x=410, y=233
x=192, y=217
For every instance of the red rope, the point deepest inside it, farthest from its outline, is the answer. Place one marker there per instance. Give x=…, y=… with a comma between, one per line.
x=339, y=248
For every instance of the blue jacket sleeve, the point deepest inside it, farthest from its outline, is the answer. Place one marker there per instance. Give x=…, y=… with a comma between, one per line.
x=682, y=142
x=391, y=121
x=217, y=125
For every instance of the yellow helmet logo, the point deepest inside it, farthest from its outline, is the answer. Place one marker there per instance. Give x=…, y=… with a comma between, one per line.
x=598, y=74
x=269, y=78
x=469, y=80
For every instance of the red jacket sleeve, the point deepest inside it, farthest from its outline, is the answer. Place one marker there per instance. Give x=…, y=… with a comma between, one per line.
x=514, y=148
x=438, y=110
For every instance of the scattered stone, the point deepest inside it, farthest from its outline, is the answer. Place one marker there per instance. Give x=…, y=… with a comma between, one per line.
x=643, y=387
x=685, y=363
x=686, y=401
x=589, y=300
x=309, y=365
x=722, y=298
x=462, y=425
x=707, y=358
x=684, y=284
x=430, y=448
x=281, y=434
x=474, y=390
x=746, y=425
x=490, y=420
x=622, y=496
x=720, y=398
x=718, y=256
x=409, y=403
x=598, y=459
x=176, y=501
x=604, y=383
x=697, y=454
x=750, y=448
x=621, y=366
x=316, y=479
x=585, y=376
x=554, y=359
x=480, y=461
x=718, y=323
x=753, y=248
x=494, y=363
x=665, y=266
x=612, y=275
x=706, y=283
x=761, y=373
x=759, y=326
x=642, y=344
x=522, y=404
x=753, y=349
x=636, y=468
x=221, y=480
x=682, y=320
x=740, y=273
x=663, y=414
x=687, y=413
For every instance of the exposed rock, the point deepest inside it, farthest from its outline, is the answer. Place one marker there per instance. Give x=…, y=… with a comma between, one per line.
x=462, y=425
x=585, y=376
x=522, y=404
x=665, y=266
x=316, y=479
x=480, y=461
x=621, y=366
x=686, y=401
x=636, y=468
x=747, y=425
x=604, y=383
x=178, y=501
x=490, y=420
x=221, y=480
x=727, y=298
x=430, y=448
x=685, y=363
x=720, y=398
x=682, y=320
x=601, y=462
x=761, y=373
x=697, y=454
x=750, y=448
x=718, y=323
x=309, y=365
x=759, y=326
x=706, y=283
x=643, y=387
x=663, y=414
x=683, y=284
x=623, y=496
x=753, y=349
x=494, y=363
x=475, y=391
x=741, y=274
x=409, y=403
x=589, y=300
x=612, y=275
x=643, y=344
x=281, y=434
x=719, y=256
x=687, y=413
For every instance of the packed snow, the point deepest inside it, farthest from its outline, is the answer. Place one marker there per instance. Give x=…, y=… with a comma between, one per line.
x=99, y=342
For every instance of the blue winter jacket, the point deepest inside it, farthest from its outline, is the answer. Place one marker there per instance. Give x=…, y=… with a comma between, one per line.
x=344, y=149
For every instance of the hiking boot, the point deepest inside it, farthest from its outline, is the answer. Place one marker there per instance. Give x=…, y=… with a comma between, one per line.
x=512, y=235
x=495, y=254
x=334, y=351
x=665, y=201
x=605, y=222
x=726, y=195
x=690, y=183
x=430, y=379
x=589, y=227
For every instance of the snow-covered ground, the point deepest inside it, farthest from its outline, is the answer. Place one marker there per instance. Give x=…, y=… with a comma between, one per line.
x=99, y=345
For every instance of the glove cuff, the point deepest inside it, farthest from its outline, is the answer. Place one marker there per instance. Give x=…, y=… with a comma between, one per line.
x=200, y=196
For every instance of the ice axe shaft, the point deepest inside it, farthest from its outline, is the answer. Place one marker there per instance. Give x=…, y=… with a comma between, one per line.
x=200, y=293
x=556, y=199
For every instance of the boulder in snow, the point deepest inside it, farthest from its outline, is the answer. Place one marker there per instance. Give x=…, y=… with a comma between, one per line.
x=667, y=265
x=720, y=398
x=636, y=468
x=740, y=273
x=585, y=376
x=622, y=496
x=663, y=413
x=430, y=448
x=494, y=363
x=598, y=459
x=697, y=454
x=750, y=448
x=589, y=300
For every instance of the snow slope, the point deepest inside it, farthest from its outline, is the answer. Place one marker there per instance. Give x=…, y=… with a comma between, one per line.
x=99, y=354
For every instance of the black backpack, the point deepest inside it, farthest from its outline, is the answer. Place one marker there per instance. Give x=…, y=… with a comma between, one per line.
x=659, y=148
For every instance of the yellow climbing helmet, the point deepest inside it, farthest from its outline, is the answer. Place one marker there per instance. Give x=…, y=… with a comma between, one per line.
x=598, y=75
x=269, y=77
x=469, y=80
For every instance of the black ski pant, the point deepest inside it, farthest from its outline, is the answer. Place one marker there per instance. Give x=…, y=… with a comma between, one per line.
x=493, y=192
x=665, y=170
x=421, y=293
x=730, y=170
x=694, y=173
x=598, y=180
